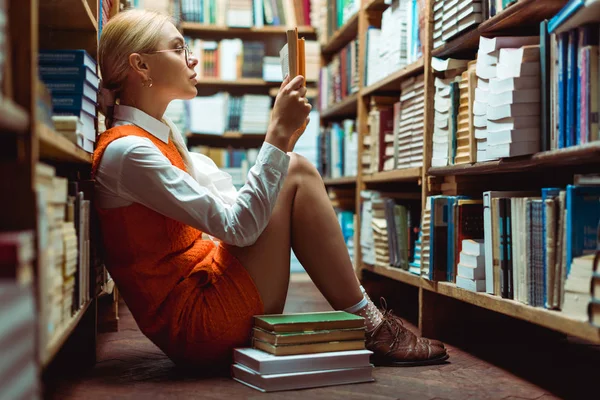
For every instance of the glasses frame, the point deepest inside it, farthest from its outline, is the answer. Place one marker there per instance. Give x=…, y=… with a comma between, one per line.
x=185, y=48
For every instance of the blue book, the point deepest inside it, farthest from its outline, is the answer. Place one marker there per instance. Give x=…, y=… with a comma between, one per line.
x=62, y=73
x=564, y=14
x=71, y=58
x=583, y=214
x=572, y=78
x=547, y=194
x=73, y=103
x=72, y=88
x=563, y=42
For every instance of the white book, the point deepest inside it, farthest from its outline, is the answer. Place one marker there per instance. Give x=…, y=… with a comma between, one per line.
x=470, y=284
x=515, y=71
x=467, y=20
x=513, y=149
x=514, y=123
x=505, y=85
x=514, y=97
x=488, y=58
x=486, y=71
x=471, y=260
x=481, y=95
x=512, y=110
x=471, y=273
x=473, y=246
x=479, y=108
x=440, y=65
x=480, y=121
x=488, y=45
x=513, y=136
x=301, y=380
x=515, y=57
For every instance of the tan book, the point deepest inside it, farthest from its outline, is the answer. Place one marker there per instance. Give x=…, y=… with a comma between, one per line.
x=308, y=348
x=308, y=337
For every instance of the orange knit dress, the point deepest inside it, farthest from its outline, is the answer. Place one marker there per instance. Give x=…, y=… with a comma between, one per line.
x=192, y=298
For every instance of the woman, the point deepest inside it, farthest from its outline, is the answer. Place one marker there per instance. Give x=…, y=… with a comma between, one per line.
x=194, y=294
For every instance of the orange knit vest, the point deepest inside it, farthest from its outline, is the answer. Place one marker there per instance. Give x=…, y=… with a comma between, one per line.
x=147, y=253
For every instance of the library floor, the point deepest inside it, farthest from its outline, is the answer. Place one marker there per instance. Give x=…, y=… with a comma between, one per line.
x=130, y=366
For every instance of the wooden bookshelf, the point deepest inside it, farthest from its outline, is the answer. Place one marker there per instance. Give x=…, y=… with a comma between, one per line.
x=397, y=175
x=205, y=31
x=54, y=146
x=67, y=15
x=61, y=337
x=13, y=118
x=397, y=274
x=345, y=108
x=521, y=18
x=555, y=320
x=227, y=139
x=577, y=155
x=343, y=181
x=342, y=36
x=392, y=82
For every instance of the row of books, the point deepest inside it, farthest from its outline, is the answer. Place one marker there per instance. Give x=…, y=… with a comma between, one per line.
x=64, y=250
x=389, y=229
x=340, y=77
x=247, y=13
x=397, y=43
x=304, y=350
x=70, y=83
x=231, y=59
x=223, y=112
x=331, y=15
x=530, y=239
x=396, y=126
x=454, y=17
x=337, y=146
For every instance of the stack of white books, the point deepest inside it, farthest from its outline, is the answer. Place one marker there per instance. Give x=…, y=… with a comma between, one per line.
x=256, y=112
x=486, y=69
x=438, y=14
x=380, y=233
x=425, y=235
x=452, y=17
x=268, y=373
x=410, y=133
x=470, y=274
x=578, y=285
x=514, y=104
x=447, y=71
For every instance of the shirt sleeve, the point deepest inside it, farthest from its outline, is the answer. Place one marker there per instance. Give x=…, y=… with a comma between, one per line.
x=147, y=177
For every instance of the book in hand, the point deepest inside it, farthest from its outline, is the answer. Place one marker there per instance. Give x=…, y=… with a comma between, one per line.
x=292, y=57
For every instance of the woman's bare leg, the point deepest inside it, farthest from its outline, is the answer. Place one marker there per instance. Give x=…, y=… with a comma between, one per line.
x=303, y=218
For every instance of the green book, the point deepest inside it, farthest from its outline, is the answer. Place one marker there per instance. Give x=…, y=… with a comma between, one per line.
x=302, y=322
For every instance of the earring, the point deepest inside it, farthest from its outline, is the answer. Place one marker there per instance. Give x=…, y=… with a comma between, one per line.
x=148, y=82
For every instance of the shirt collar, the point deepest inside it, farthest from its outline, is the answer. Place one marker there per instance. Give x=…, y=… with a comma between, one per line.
x=156, y=128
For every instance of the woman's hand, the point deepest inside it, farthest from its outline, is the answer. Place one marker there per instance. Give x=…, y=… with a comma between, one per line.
x=289, y=114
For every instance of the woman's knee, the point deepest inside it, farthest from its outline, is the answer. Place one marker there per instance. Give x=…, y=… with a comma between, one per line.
x=299, y=165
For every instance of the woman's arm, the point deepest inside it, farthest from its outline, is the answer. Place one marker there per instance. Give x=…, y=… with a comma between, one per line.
x=147, y=177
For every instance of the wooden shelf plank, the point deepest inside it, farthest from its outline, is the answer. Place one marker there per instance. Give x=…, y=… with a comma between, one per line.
x=548, y=318
x=342, y=36
x=398, y=175
x=344, y=108
x=13, y=118
x=343, y=181
x=215, y=31
x=376, y=5
x=67, y=15
x=525, y=14
x=586, y=154
x=54, y=146
x=392, y=82
x=397, y=274
x=233, y=139
x=61, y=337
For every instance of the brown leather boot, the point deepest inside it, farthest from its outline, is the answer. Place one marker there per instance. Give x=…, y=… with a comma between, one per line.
x=394, y=345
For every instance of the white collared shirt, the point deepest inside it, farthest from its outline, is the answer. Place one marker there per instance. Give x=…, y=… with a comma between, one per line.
x=134, y=170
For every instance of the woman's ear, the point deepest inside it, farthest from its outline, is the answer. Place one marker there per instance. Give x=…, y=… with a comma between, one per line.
x=139, y=66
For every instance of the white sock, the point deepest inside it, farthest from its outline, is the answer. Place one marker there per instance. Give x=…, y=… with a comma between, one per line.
x=366, y=309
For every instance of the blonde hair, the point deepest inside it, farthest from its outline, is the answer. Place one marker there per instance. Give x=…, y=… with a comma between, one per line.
x=131, y=31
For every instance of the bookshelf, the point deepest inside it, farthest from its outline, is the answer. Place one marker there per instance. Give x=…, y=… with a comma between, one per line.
x=343, y=181
x=520, y=18
x=56, y=147
x=233, y=139
x=68, y=15
x=215, y=31
x=13, y=118
x=216, y=83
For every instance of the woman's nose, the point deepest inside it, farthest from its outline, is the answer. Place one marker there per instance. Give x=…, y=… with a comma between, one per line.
x=192, y=61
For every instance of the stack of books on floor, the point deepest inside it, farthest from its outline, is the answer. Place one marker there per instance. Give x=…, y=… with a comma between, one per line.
x=304, y=350
x=71, y=78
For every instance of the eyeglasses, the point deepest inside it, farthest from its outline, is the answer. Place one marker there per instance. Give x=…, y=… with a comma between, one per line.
x=185, y=48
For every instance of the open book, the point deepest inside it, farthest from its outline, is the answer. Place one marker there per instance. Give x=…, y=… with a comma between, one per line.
x=292, y=56
x=293, y=59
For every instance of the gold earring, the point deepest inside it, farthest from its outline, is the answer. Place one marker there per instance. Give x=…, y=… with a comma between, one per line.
x=148, y=82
